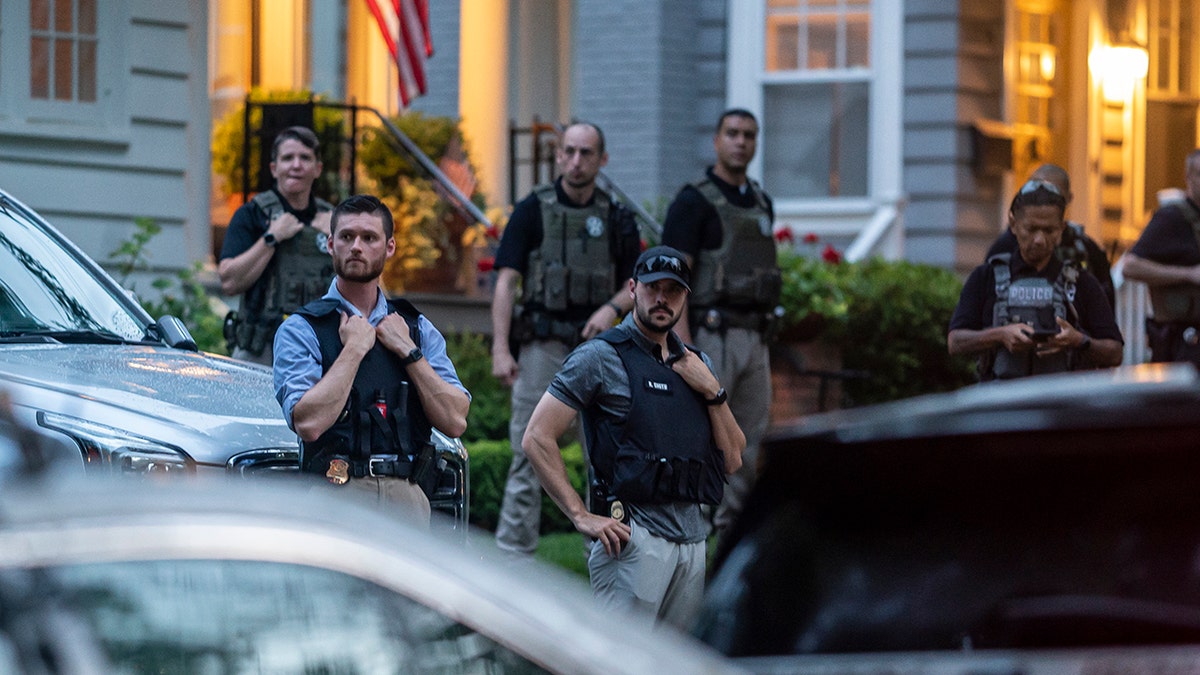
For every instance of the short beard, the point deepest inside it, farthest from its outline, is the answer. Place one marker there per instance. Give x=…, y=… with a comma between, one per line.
x=646, y=321
x=372, y=272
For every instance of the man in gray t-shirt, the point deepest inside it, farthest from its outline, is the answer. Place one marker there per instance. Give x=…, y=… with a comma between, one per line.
x=661, y=439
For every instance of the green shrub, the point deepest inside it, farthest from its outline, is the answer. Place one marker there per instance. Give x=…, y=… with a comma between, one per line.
x=489, y=470
x=491, y=402
x=179, y=295
x=896, y=330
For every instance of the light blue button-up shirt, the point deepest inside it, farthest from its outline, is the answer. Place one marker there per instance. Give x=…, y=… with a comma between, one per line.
x=298, y=354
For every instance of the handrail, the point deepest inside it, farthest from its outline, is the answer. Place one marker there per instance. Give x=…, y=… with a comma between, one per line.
x=888, y=221
x=464, y=204
x=634, y=206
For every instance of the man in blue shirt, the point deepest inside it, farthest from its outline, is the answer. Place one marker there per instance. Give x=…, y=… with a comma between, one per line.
x=362, y=380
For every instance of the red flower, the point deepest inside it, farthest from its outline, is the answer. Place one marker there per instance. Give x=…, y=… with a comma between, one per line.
x=810, y=238
x=486, y=264
x=784, y=235
x=831, y=255
x=493, y=232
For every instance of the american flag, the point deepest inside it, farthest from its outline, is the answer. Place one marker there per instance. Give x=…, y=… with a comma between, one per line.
x=405, y=27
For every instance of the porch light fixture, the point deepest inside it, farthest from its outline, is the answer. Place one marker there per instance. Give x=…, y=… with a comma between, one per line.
x=1119, y=68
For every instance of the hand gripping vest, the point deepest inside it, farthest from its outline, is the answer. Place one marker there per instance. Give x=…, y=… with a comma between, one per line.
x=663, y=450
x=572, y=272
x=362, y=430
x=1034, y=301
x=298, y=274
x=1179, y=302
x=742, y=273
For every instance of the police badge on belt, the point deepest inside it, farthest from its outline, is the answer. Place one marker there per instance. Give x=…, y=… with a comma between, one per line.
x=338, y=472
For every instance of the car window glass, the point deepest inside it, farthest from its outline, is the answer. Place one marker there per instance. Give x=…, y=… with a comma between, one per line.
x=44, y=288
x=205, y=616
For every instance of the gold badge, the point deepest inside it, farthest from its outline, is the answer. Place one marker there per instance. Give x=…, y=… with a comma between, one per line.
x=617, y=510
x=339, y=472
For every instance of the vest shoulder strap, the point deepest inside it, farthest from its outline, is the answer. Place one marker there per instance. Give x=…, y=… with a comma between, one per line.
x=411, y=315
x=546, y=193
x=318, y=308
x=1002, y=274
x=268, y=202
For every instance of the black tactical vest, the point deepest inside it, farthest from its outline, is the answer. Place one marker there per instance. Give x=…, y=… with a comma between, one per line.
x=742, y=273
x=572, y=273
x=1035, y=301
x=299, y=273
x=362, y=429
x=663, y=450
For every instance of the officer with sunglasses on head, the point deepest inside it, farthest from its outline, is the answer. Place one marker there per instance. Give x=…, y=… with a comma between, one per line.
x=661, y=440
x=1027, y=312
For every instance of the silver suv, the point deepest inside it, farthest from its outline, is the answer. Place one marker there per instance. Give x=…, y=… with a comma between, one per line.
x=116, y=392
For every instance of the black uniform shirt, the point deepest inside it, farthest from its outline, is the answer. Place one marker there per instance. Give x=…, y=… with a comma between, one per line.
x=1168, y=238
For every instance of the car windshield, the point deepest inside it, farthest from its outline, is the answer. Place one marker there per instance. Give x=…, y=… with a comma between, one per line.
x=45, y=290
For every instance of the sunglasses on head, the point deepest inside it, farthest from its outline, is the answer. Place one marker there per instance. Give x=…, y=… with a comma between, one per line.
x=1030, y=188
x=662, y=263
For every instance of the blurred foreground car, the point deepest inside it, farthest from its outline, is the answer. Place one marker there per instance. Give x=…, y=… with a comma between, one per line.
x=120, y=393
x=218, y=578
x=1043, y=525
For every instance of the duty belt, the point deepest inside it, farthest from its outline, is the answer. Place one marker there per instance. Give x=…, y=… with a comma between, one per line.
x=382, y=466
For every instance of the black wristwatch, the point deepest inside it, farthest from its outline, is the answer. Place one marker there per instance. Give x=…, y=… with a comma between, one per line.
x=413, y=356
x=270, y=240
x=720, y=398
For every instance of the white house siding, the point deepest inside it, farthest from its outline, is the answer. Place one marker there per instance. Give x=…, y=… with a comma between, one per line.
x=147, y=153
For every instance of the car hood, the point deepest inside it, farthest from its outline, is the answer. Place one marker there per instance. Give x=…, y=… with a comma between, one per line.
x=214, y=395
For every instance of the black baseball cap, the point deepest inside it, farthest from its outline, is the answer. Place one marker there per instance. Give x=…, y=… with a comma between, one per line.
x=662, y=262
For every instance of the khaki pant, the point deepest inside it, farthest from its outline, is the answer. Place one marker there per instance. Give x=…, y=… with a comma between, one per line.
x=521, y=509
x=267, y=358
x=393, y=496
x=742, y=363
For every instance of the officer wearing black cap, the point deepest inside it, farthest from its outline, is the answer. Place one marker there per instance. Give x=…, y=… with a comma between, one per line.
x=661, y=440
x=1027, y=312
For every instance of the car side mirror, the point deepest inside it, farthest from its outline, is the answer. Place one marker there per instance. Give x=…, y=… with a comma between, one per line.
x=172, y=331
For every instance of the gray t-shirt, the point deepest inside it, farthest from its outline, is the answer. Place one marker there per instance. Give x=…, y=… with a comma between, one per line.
x=593, y=378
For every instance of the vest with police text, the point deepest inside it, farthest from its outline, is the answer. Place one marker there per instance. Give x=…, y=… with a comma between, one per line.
x=1035, y=301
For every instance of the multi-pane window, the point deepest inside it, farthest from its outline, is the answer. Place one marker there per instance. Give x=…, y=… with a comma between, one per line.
x=816, y=97
x=1175, y=47
x=62, y=50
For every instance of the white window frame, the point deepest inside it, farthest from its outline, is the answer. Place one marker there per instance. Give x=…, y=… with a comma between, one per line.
x=106, y=120
x=747, y=76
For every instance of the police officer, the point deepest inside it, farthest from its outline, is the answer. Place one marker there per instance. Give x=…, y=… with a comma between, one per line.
x=724, y=225
x=1166, y=257
x=661, y=438
x=1076, y=247
x=274, y=252
x=1027, y=312
x=361, y=379
x=571, y=248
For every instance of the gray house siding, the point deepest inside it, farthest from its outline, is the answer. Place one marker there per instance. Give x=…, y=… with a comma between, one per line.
x=953, y=76
x=654, y=94
x=441, y=71
x=152, y=161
